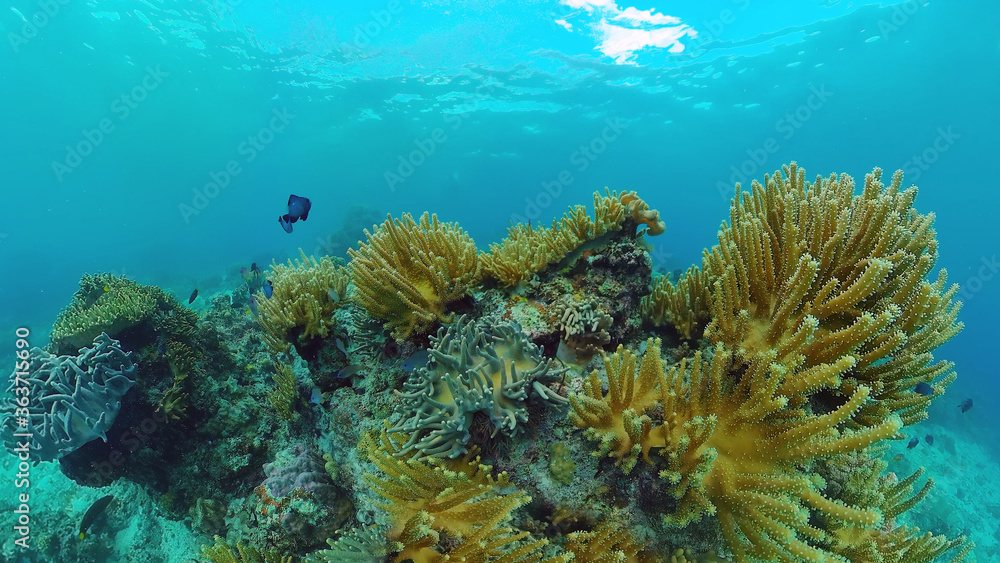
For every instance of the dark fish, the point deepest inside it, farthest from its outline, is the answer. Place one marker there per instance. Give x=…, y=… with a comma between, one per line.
x=923, y=389
x=254, y=269
x=194, y=295
x=253, y=306
x=94, y=295
x=913, y=443
x=93, y=512
x=965, y=405
x=340, y=346
x=246, y=274
x=416, y=360
x=268, y=289
x=298, y=208
x=929, y=439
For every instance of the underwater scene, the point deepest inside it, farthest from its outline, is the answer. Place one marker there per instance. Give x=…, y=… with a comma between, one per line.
x=537, y=281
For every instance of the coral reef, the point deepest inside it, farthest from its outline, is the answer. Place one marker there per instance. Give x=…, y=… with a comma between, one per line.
x=104, y=303
x=472, y=369
x=305, y=295
x=284, y=393
x=407, y=273
x=79, y=398
x=685, y=305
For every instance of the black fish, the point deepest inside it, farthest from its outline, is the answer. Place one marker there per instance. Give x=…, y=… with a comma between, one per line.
x=93, y=512
x=923, y=389
x=965, y=405
x=194, y=295
x=913, y=443
x=929, y=439
x=298, y=208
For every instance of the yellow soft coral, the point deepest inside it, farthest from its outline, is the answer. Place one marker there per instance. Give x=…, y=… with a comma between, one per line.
x=408, y=273
x=300, y=309
x=684, y=305
x=819, y=275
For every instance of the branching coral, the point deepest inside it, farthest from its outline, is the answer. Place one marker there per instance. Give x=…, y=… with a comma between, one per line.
x=222, y=552
x=834, y=283
x=609, y=543
x=471, y=370
x=684, y=305
x=429, y=500
x=408, y=272
x=305, y=295
x=528, y=249
x=583, y=325
x=282, y=397
x=78, y=398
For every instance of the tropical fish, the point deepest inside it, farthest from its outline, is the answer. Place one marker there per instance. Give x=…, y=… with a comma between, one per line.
x=416, y=360
x=252, y=302
x=340, y=346
x=298, y=208
x=246, y=274
x=334, y=295
x=194, y=295
x=93, y=512
x=923, y=389
x=94, y=295
x=268, y=289
x=316, y=397
x=897, y=457
x=965, y=405
x=348, y=371
x=929, y=439
x=566, y=354
x=254, y=269
x=913, y=443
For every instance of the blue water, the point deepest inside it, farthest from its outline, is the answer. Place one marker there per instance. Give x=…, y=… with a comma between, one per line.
x=494, y=102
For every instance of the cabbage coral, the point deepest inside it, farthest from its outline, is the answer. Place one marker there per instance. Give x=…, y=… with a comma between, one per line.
x=300, y=309
x=834, y=283
x=408, y=273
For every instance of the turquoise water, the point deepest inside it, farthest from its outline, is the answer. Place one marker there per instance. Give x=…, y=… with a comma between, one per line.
x=159, y=140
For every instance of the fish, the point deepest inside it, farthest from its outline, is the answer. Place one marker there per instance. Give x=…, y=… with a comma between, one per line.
x=93, y=512
x=566, y=354
x=334, y=295
x=929, y=439
x=340, y=346
x=913, y=443
x=253, y=306
x=897, y=457
x=246, y=274
x=416, y=360
x=923, y=389
x=965, y=405
x=298, y=208
x=316, y=397
x=254, y=269
x=268, y=289
x=94, y=295
x=194, y=295
x=348, y=371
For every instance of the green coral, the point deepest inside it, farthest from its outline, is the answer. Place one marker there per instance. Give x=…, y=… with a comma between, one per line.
x=104, y=303
x=472, y=369
x=282, y=397
x=222, y=552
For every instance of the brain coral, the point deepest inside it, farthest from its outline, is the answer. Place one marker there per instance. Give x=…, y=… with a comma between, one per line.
x=472, y=369
x=78, y=397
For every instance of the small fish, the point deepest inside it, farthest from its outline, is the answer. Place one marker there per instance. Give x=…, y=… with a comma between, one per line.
x=965, y=405
x=566, y=354
x=340, y=346
x=298, y=208
x=923, y=389
x=913, y=443
x=254, y=269
x=416, y=360
x=929, y=439
x=246, y=274
x=334, y=295
x=93, y=512
x=348, y=371
x=253, y=306
x=897, y=457
x=316, y=397
x=95, y=295
x=268, y=289
x=194, y=295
